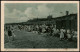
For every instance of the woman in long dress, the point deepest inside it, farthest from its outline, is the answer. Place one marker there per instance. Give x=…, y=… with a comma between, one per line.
x=68, y=34
x=11, y=34
x=61, y=34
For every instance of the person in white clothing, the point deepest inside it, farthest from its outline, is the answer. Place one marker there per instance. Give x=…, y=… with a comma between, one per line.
x=68, y=35
x=61, y=34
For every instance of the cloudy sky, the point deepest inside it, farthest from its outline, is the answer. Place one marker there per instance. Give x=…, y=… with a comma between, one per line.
x=21, y=12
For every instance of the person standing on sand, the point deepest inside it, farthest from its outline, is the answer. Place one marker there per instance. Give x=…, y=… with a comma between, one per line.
x=40, y=30
x=69, y=35
x=10, y=34
x=61, y=34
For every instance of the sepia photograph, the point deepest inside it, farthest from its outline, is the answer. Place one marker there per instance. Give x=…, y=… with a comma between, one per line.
x=40, y=25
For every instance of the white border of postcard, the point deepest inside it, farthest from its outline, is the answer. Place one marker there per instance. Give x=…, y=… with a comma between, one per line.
x=2, y=26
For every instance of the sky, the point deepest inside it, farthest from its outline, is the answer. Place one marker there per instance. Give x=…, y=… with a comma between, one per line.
x=22, y=12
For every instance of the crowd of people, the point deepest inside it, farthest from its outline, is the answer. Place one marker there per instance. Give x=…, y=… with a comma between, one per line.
x=50, y=30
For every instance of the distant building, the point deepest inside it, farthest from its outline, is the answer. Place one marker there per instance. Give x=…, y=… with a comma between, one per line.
x=69, y=21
